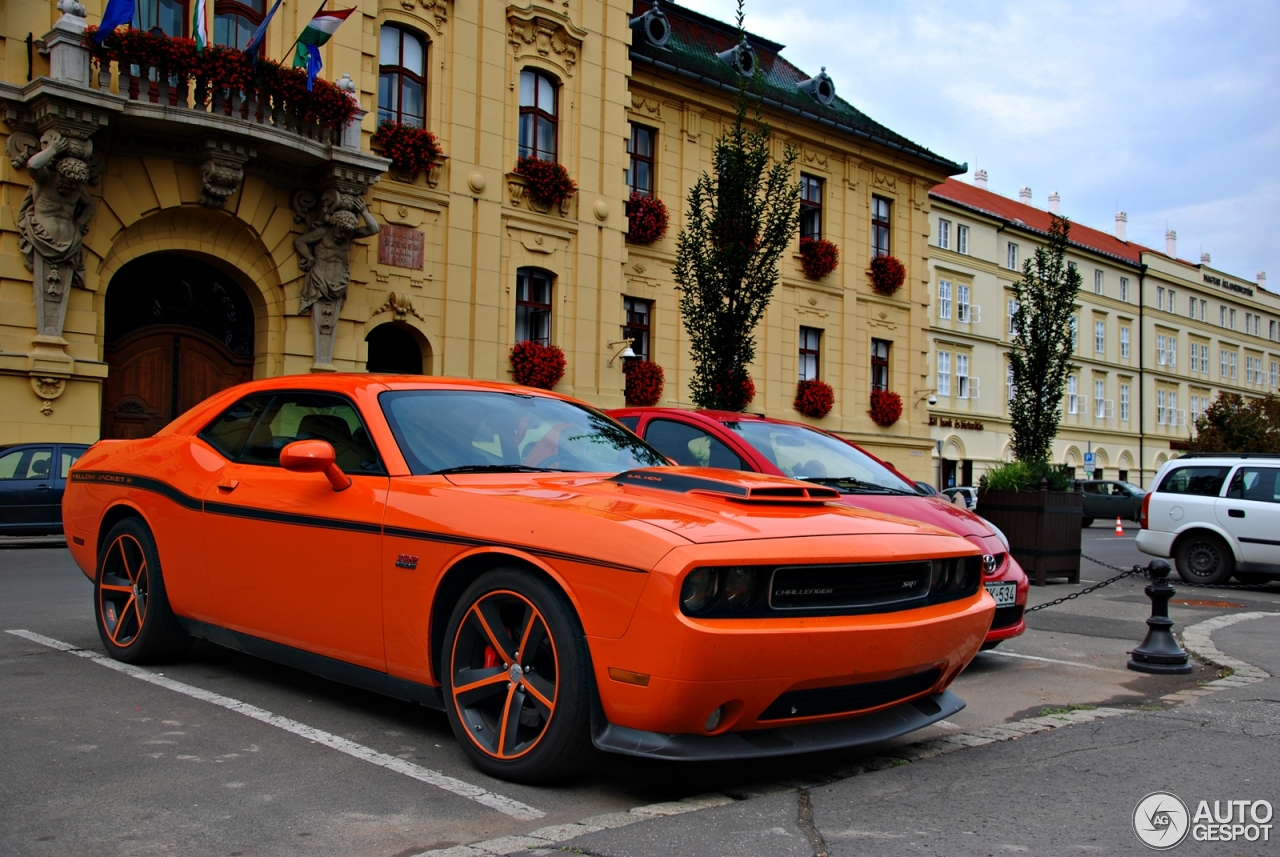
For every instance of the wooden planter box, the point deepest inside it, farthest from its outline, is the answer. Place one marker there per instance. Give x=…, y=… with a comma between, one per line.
x=1043, y=528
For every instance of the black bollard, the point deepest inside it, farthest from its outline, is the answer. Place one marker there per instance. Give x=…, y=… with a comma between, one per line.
x=1160, y=652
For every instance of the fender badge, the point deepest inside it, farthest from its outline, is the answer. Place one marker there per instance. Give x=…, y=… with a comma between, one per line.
x=405, y=560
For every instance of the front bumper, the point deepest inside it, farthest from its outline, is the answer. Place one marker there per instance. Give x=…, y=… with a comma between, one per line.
x=1009, y=621
x=784, y=740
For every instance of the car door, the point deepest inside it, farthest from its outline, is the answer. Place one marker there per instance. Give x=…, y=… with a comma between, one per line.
x=67, y=455
x=290, y=559
x=690, y=445
x=1250, y=510
x=25, y=489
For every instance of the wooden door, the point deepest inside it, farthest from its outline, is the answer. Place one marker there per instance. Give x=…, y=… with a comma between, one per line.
x=143, y=392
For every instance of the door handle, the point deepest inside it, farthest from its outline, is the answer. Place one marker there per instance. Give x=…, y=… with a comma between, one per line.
x=229, y=485
x=42, y=487
x=1235, y=513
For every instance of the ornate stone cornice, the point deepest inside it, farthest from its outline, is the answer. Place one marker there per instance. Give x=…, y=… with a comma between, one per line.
x=539, y=31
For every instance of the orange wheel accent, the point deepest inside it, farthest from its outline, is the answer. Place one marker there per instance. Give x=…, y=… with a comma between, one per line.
x=123, y=589
x=505, y=708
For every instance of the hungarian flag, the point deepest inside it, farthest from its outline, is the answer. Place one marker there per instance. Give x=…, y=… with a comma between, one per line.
x=317, y=33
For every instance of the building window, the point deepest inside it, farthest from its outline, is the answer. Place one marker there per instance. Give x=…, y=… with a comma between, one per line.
x=1172, y=344
x=1173, y=301
x=640, y=170
x=1162, y=356
x=1011, y=257
x=1204, y=309
x=1275, y=367
x=1124, y=403
x=1271, y=328
x=1124, y=289
x=1159, y=297
x=944, y=299
x=962, y=376
x=533, y=305
x=638, y=313
x=1222, y=316
x=880, y=227
x=964, y=312
x=880, y=364
x=1100, y=398
x=810, y=207
x=402, y=77
x=1010, y=388
x=1100, y=336
x=944, y=373
x=1097, y=282
x=538, y=115
x=1233, y=357
x=1231, y=318
x=1073, y=394
x=1257, y=323
x=1124, y=342
x=810, y=348
x=1075, y=333
x=944, y=234
x=1162, y=410
x=234, y=22
x=1013, y=317
x=962, y=239
x=1204, y=360
x=1222, y=363
x=1191, y=307
x=169, y=15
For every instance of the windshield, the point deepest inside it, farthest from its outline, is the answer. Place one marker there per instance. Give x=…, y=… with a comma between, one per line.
x=803, y=453
x=459, y=430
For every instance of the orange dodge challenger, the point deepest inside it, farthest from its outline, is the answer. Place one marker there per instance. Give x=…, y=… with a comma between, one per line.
x=529, y=566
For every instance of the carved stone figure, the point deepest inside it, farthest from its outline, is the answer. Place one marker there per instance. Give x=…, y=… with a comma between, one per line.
x=52, y=221
x=324, y=254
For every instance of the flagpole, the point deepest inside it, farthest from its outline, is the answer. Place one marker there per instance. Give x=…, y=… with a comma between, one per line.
x=295, y=41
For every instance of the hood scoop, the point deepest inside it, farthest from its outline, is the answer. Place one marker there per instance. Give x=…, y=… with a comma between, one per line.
x=770, y=493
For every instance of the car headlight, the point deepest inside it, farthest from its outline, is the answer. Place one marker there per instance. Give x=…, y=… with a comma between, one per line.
x=738, y=586
x=699, y=590
x=999, y=534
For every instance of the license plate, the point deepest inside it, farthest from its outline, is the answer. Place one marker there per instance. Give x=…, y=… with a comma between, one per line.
x=1005, y=594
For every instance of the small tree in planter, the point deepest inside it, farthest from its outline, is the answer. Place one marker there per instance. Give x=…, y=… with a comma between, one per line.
x=646, y=218
x=818, y=257
x=886, y=407
x=645, y=380
x=536, y=365
x=814, y=398
x=548, y=182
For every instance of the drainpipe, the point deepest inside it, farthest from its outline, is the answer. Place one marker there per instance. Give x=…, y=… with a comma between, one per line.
x=1142, y=384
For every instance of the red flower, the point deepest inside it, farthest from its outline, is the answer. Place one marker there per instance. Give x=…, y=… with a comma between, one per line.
x=537, y=365
x=887, y=274
x=645, y=380
x=735, y=393
x=646, y=218
x=818, y=257
x=548, y=182
x=412, y=150
x=814, y=398
x=886, y=407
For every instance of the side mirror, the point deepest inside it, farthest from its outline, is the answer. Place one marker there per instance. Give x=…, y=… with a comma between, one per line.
x=314, y=456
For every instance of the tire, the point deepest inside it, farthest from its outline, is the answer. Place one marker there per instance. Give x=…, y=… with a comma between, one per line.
x=550, y=737
x=134, y=619
x=1253, y=578
x=1205, y=558
x=1086, y=522
x=986, y=647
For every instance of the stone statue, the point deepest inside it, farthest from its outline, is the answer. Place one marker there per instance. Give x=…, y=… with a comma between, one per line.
x=52, y=221
x=323, y=254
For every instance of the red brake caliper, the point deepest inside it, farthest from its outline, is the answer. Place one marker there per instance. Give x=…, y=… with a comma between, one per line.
x=490, y=657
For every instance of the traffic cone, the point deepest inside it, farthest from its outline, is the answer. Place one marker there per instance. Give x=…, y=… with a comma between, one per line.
x=1119, y=529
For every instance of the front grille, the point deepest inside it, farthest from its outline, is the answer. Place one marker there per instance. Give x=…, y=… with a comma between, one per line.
x=848, y=697
x=842, y=586
x=1006, y=616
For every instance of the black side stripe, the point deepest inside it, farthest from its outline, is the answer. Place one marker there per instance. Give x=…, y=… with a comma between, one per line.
x=1259, y=541
x=155, y=486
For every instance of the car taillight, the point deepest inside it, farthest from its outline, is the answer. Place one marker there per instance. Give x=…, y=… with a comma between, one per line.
x=1142, y=516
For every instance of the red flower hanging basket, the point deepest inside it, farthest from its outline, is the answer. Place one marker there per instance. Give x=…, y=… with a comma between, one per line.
x=645, y=381
x=547, y=182
x=736, y=392
x=412, y=150
x=887, y=274
x=646, y=218
x=814, y=398
x=818, y=257
x=536, y=365
x=886, y=407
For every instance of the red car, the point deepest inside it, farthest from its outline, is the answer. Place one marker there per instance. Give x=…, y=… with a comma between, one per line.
x=780, y=448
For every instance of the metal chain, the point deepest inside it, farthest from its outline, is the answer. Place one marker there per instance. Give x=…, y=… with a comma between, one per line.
x=1254, y=586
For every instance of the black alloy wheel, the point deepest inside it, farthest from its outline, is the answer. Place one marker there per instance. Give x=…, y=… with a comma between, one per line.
x=132, y=610
x=1205, y=558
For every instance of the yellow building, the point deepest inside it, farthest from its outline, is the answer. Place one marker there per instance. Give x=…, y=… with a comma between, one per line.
x=237, y=236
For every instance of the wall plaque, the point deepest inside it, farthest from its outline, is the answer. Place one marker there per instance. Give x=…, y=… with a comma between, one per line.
x=401, y=246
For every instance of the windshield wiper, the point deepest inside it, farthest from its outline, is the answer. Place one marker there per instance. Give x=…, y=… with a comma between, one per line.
x=495, y=468
x=851, y=482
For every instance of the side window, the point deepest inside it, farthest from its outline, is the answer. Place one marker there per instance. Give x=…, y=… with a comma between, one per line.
x=691, y=446
x=1254, y=483
x=632, y=423
x=230, y=430
x=11, y=463
x=1202, y=481
x=312, y=416
x=69, y=457
x=26, y=463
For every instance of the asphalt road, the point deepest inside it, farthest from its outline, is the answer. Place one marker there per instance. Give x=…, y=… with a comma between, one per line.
x=224, y=754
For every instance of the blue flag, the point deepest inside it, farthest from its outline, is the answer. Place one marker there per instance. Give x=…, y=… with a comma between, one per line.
x=117, y=12
x=255, y=41
x=313, y=64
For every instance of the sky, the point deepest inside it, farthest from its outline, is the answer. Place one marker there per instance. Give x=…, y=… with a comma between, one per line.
x=1169, y=111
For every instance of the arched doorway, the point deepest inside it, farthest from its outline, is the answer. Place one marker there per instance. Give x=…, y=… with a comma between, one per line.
x=178, y=330
x=395, y=348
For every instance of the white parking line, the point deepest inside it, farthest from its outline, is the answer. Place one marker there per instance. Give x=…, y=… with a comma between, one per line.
x=1052, y=661
x=502, y=804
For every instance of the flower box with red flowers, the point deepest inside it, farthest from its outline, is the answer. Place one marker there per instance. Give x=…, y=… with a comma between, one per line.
x=646, y=218
x=412, y=150
x=645, y=381
x=886, y=407
x=818, y=257
x=536, y=365
x=887, y=274
x=547, y=182
x=814, y=398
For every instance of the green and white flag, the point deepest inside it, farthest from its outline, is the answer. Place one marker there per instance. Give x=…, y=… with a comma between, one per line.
x=316, y=33
x=200, y=25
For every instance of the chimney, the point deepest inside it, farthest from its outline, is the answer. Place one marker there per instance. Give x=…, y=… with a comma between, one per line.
x=1171, y=243
x=1055, y=202
x=1025, y=194
x=1122, y=225
x=980, y=179
x=1262, y=279
x=1204, y=258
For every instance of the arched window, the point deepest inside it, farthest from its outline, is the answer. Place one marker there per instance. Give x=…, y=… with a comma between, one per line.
x=169, y=15
x=533, y=305
x=392, y=348
x=402, y=77
x=539, y=115
x=234, y=21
